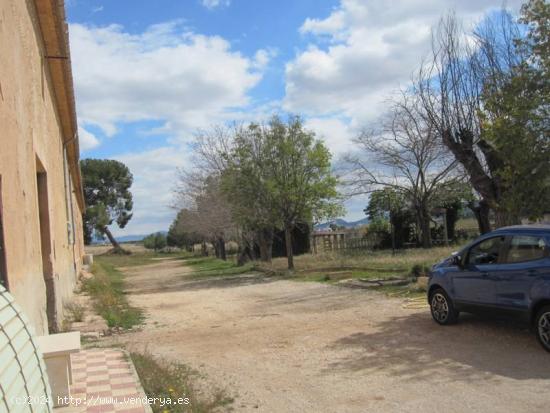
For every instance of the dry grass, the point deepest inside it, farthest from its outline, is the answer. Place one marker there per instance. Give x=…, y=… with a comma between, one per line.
x=367, y=264
x=373, y=260
x=175, y=381
x=106, y=288
x=98, y=249
x=75, y=311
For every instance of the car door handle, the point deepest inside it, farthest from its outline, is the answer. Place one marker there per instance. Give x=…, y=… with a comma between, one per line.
x=532, y=272
x=484, y=274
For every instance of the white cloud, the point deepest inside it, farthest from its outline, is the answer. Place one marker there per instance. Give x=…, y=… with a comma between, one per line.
x=213, y=4
x=364, y=50
x=331, y=25
x=357, y=58
x=263, y=57
x=336, y=133
x=167, y=74
x=86, y=139
x=183, y=79
x=155, y=173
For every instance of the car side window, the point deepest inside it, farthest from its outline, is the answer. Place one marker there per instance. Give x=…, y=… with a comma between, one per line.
x=526, y=248
x=486, y=252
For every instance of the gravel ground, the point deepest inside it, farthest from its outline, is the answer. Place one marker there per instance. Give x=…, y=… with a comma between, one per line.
x=285, y=346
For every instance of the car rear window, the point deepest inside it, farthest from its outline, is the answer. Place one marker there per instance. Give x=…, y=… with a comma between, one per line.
x=526, y=248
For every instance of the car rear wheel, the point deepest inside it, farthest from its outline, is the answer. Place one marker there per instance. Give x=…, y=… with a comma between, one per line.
x=543, y=327
x=442, y=308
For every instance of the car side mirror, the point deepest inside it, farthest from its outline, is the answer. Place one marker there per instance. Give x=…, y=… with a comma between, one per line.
x=457, y=260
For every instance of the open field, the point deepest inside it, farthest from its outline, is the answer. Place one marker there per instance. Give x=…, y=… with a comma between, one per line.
x=98, y=249
x=278, y=345
x=367, y=264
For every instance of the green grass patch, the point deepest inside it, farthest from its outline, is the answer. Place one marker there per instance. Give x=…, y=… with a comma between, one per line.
x=106, y=288
x=335, y=275
x=213, y=267
x=164, y=380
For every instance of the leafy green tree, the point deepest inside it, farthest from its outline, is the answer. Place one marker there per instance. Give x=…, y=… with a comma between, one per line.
x=179, y=234
x=392, y=205
x=278, y=175
x=156, y=241
x=298, y=179
x=515, y=119
x=453, y=198
x=108, y=198
x=243, y=184
x=536, y=15
x=379, y=233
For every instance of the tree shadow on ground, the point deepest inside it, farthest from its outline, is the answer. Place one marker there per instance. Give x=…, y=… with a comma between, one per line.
x=172, y=284
x=413, y=347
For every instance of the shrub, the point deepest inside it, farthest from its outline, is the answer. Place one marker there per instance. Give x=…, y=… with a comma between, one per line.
x=162, y=380
x=76, y=311
x=419, y=270
x=379, y=233
x=107, y=292
x=156, y=241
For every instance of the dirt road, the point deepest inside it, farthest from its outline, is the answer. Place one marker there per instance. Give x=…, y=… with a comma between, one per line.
x=285, y=346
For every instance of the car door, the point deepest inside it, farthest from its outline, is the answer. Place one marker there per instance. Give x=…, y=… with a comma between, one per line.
x=525, y=261
x=474, y=283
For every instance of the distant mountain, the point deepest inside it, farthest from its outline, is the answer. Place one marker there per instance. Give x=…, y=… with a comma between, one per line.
x=131, y=238
x=124, y=238
x=342, y=223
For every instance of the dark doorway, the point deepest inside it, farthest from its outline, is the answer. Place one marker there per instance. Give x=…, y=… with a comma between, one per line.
x=46, y=245
x=3, y=266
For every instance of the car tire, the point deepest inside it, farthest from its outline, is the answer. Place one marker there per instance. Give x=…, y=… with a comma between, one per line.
x=442, y=308
x=542, y=327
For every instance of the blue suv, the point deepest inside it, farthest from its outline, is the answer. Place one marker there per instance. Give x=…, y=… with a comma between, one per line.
x=506, y=271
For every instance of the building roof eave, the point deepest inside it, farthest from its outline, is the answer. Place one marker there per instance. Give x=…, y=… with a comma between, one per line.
x=55, y=35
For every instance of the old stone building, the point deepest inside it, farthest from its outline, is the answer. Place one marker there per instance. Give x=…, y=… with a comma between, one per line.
x=41, y=199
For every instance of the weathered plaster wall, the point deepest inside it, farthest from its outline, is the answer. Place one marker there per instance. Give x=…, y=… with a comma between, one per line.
x=30, y=129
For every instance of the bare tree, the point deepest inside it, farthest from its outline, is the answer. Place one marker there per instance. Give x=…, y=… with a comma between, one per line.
x=235, y=155
x=406, y=155
x=198, y=189
x=451, y=86
x=224, y=201
x=208, y=213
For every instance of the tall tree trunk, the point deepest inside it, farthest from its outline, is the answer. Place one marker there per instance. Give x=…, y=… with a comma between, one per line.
x=116, y=246
x=246, y=251
x=425, y=228
x=451, y=216
x=265, y=242
x=288, y=242
x=243, y=257
x=481, y=212
x=216, y=247
x=204, y=249
x=418, y=228
x=244, y=254
x=221, y=249
x=398, y=233
x=505, y=218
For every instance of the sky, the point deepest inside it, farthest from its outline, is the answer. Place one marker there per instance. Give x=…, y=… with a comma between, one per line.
x=149, y=74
